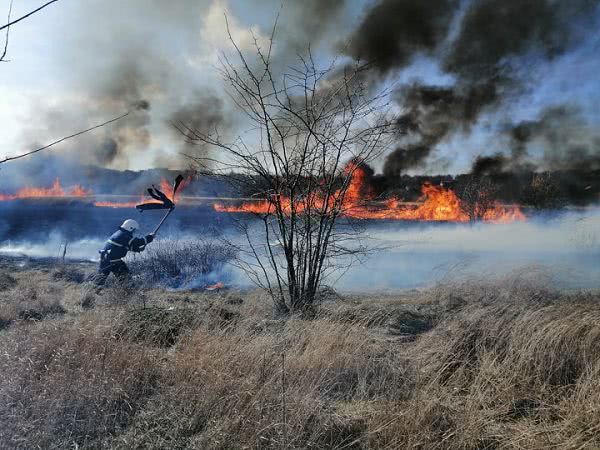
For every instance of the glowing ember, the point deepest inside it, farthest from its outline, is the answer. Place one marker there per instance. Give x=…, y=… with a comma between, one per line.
x=436, y=204
x=56, y=190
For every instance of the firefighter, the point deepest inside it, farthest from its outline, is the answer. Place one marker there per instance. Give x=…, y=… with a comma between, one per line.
x=115, y=249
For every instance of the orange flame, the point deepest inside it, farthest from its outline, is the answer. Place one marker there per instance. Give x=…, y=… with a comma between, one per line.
x=56, y=190
x=504, y=214
x=435, y=204
x=213, y=287
x=438, y=204
x=167, y=188
x=164, y=186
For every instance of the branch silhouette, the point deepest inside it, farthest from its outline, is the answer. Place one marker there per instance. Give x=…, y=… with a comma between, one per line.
x=7, y=33
x=27, y=15
x=79, y=133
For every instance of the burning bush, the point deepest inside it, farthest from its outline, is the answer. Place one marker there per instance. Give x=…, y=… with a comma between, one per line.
x=478, y=197
x=183, y=264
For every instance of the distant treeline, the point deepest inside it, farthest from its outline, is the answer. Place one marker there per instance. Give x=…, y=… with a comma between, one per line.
x=536, y=189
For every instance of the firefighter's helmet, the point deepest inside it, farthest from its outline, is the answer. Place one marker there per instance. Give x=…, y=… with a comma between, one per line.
x=130, y=225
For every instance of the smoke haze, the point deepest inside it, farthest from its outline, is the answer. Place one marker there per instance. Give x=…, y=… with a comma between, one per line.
x=564, y=248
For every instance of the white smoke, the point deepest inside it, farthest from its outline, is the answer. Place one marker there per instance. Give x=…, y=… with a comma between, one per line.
x=565, y=247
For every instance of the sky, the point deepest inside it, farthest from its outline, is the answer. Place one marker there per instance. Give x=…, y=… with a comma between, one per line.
x=81, y=62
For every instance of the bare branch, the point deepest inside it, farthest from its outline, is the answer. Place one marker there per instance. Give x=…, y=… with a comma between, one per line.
x=9, y=24
x=79, y=133
x=7, y=33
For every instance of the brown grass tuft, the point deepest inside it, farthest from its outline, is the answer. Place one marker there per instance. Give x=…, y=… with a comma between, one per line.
x=30, y=303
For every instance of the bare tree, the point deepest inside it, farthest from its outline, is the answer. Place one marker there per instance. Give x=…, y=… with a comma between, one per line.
x=311, y=130
x=477, y=197
x=543, y=192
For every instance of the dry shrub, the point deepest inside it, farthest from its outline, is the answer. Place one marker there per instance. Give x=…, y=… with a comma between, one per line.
x=68, y=385
x=580, y=414
x=543, y=344
x=358, y=315
x=124, y=293
x=87, y=300
x=187, y=263
x=399, y=320
x=7, y=315
x=508, y=365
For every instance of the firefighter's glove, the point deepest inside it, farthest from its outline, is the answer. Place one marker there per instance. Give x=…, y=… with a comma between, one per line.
x=149, y=238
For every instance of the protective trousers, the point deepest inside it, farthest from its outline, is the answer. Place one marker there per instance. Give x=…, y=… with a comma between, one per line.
x=119, y=268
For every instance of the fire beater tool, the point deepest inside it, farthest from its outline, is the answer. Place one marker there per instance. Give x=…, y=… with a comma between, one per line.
x=163, y=201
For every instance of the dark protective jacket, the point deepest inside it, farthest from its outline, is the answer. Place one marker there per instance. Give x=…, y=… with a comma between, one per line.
x=120, y=243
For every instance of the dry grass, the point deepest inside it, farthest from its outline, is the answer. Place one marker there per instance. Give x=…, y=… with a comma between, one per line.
x=67, y=383
x=7, y=281
x=26, y=301
x=68, y=273
x=472, y=366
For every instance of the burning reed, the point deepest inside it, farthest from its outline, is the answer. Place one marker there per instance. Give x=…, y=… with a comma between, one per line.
x=436, y=203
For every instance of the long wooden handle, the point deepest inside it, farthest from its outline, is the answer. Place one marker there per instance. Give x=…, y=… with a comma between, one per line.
x=162, y=221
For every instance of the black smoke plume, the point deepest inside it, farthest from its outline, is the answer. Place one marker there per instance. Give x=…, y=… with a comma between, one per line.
x=393, y=31
x=305, y=23
x=431, y=114
x=479, y=45
x=489, y=165
x=567, y=141
x=205, y=114
x=493, y=31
